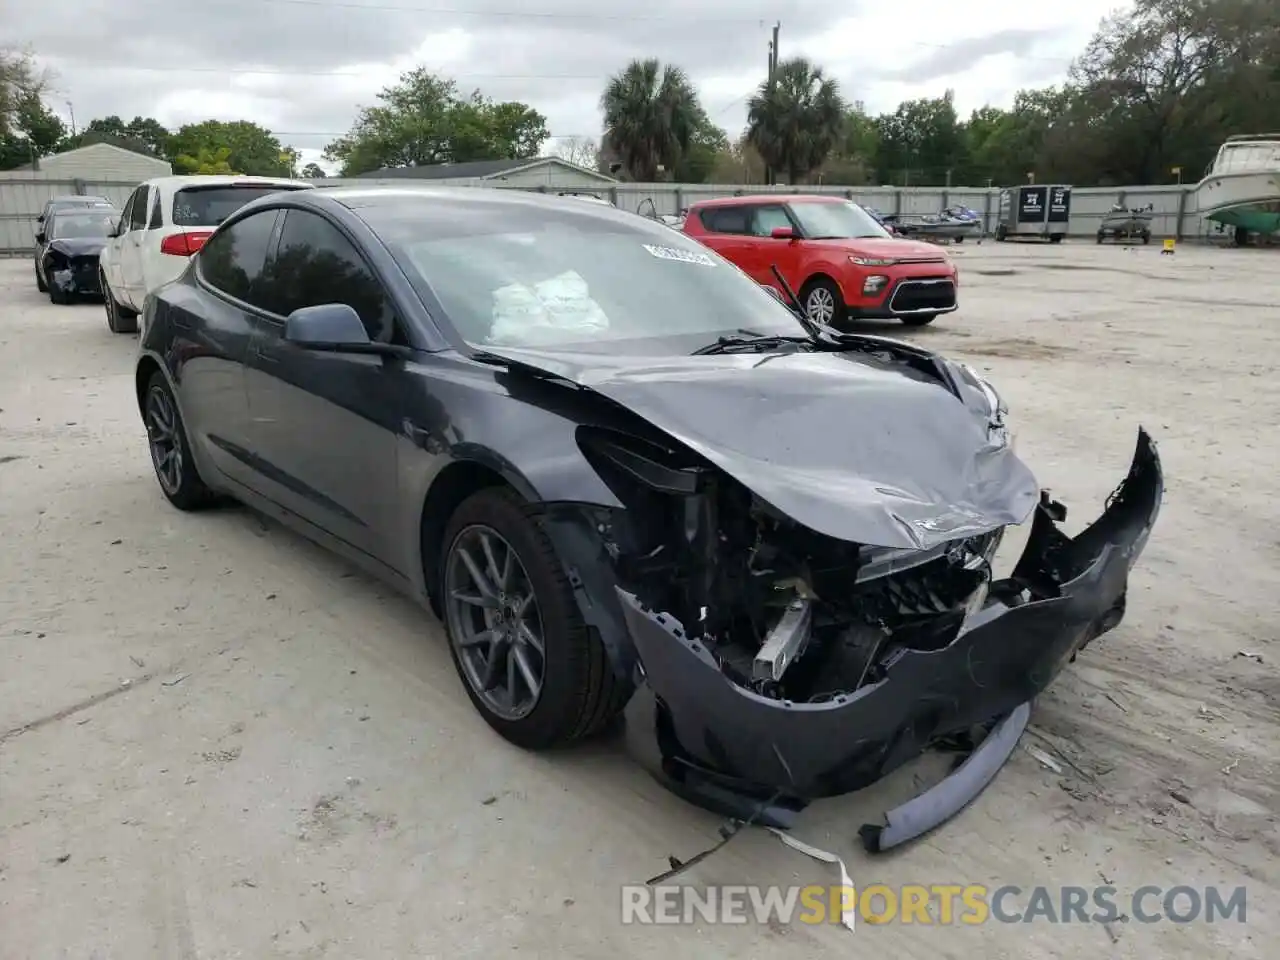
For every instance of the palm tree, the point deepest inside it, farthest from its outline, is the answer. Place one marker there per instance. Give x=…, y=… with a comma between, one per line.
x=795, y=121
x=650, y=114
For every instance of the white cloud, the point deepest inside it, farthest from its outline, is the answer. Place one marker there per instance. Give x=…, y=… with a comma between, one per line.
x=317, y=61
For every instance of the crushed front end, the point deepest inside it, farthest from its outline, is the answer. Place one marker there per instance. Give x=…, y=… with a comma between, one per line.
x=775, y=665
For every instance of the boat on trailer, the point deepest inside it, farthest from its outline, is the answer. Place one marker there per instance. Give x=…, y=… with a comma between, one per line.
x=1241, y=189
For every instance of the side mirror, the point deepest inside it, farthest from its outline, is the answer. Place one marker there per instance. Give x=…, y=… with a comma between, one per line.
x=328, y=326
x=40, y=238
x=783, y=233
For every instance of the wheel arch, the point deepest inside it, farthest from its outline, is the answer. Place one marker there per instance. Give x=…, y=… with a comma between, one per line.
x=818, y=276
x=142, y=374
x=452, y=485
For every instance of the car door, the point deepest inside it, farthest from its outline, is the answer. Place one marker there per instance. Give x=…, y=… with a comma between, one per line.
x=324, y=424
x=727, y=234
x=133, y=289
x=210, y=327
x=114, y=250
x=784, y=254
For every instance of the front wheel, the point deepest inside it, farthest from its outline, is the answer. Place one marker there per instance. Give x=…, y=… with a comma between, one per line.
x=40, y=284
x=529, y=663
x=822, y=301
x=176, y=471
x=919, y=319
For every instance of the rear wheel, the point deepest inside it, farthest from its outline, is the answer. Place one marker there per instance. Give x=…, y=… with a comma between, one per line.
x=822, y=301
x=919, y=319
x=531, y=666
x=119, y=319
x=1056, y=238
x=176, y=471
x=1002, y=233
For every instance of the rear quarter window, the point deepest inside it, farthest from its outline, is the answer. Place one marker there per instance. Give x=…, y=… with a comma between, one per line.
x=209, y=206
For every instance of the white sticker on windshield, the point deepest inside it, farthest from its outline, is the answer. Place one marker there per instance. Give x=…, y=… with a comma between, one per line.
x=684, y=256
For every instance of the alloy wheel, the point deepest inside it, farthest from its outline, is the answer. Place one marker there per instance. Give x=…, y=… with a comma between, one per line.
x=820, y=305
x=495, y=624
x=164, y=440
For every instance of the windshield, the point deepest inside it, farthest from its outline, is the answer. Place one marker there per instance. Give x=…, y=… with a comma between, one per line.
x=836, y=221
x=526, y=277
x=209, y=206
x=96, y=224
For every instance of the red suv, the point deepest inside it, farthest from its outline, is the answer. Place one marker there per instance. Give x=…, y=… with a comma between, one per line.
x=838, y=258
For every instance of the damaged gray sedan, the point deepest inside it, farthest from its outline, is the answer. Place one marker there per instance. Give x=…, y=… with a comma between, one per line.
x=630, y=480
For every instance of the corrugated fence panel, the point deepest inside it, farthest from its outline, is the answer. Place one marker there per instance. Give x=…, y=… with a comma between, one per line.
x=23, y=195
x=22, y=198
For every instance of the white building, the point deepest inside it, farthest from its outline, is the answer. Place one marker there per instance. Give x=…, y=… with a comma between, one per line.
x=549, y=172
x=95, y=163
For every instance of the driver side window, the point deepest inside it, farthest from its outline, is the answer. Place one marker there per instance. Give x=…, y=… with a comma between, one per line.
x=769, y=218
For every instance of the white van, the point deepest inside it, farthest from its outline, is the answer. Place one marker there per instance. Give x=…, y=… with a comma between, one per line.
x=163, y=223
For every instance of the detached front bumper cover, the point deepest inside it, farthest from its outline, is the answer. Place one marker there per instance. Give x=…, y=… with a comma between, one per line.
x=748, y=756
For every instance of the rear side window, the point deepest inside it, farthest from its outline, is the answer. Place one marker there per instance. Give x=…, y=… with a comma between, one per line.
x=231, y=261
x=316, y=264
x=726, y=219
x=209, y=206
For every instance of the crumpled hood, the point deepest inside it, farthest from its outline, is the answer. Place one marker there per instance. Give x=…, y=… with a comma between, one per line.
x=78, y=246
x=846, y=444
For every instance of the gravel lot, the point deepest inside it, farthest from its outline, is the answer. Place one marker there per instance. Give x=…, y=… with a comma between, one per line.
x=216, y=740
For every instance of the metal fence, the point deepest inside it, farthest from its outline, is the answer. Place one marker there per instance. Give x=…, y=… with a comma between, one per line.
x=22, y=197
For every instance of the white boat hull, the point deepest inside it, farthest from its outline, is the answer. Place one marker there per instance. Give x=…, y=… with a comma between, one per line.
x=1245, y=198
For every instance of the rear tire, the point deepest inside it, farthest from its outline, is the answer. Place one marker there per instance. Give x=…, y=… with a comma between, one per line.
x=579, y=692
x=1056, y=238
x=119, y=319
x=176, y=471
x=919, y=320
x=1002, y=233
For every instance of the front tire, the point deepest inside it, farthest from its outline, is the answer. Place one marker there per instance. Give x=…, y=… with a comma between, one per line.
x=56, y=296
x=40, y=284
x=822, y=301
x=530, y=665
x=119, y=320
x=175, y=468
x=920, y=319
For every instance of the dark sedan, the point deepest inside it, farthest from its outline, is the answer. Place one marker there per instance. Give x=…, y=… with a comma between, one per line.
x=67, y=249
x=626, y=477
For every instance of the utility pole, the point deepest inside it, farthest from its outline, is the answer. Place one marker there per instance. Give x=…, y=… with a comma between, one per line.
x=769, y=177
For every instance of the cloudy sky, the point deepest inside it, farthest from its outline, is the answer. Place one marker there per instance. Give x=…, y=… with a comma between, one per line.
x=303, y=67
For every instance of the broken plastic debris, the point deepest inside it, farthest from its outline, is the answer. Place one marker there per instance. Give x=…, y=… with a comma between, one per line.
x=847, y=912
x=1045, y=759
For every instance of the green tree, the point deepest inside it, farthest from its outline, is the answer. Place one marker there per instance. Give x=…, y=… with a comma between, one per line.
x=28, y=129
x=313, y=171
x=921, y=142
x=421, y=120
x=141, y=134
x=698, y=159
x=853, y=159
x=250, y=149
x=795, y=121
x=651, y=118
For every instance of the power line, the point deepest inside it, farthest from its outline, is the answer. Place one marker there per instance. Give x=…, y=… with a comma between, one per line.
x=504, y=14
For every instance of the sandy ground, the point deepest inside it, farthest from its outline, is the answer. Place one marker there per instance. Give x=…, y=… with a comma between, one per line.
x=218, y=741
